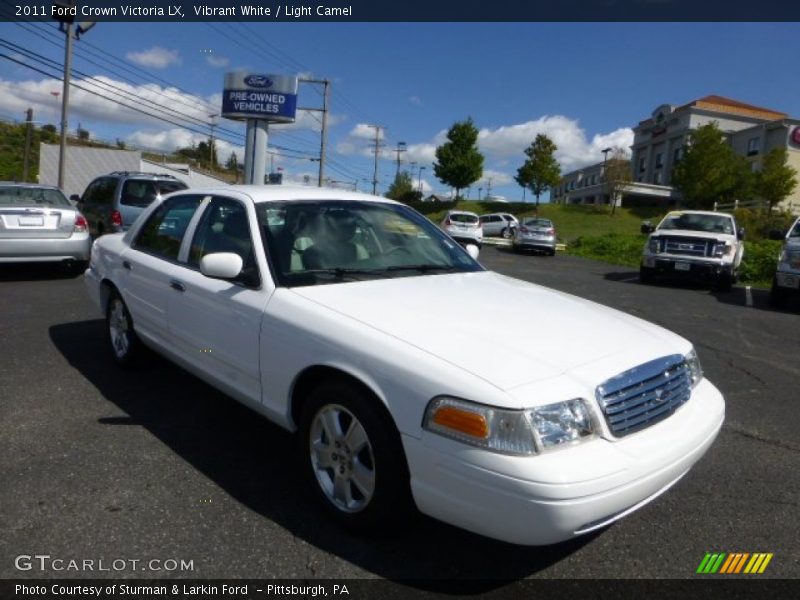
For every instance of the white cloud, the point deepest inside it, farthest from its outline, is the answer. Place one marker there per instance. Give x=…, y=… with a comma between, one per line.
x=415, y=100
x=575, y=150
x=155, y=58
x=366, y=132
x=218, y=62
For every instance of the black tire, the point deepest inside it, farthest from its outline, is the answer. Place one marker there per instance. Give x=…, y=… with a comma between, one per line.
x=777, y=295
x=724, y=282
x=646, y=274
x=371, y=476
x=126, y=349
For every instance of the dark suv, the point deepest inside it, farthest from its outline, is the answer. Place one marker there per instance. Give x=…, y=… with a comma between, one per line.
x=112, y=202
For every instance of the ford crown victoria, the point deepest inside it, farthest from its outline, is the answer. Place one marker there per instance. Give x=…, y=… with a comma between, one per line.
x=357, y=323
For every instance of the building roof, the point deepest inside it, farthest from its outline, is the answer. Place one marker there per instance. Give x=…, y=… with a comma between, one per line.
x=727, y=105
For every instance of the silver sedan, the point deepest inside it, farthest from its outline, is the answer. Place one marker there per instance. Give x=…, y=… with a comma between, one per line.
x=536, y=234
x=39, y=224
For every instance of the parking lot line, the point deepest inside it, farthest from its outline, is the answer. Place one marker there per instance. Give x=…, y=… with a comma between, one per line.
x=628, y=279
x=748, y=296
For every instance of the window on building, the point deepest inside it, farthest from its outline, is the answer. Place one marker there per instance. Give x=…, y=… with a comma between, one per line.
x=677, y=155
x=641, y=165
x=752, y=146
x=657, y=178
x=659, y=160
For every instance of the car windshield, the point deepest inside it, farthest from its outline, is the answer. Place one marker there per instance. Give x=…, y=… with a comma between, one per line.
x=795, y=232
x=695, y=222
x=537, y=223
x=463, y=218
x=332, y=241
x=15, y=195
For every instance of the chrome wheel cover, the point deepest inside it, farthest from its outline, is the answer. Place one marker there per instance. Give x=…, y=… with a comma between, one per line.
x=342, y=458
x=118, y=328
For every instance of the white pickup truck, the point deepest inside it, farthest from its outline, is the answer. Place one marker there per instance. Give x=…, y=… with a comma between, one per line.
x=699, y=244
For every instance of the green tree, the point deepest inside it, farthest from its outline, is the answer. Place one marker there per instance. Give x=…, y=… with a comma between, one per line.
x=401, y=187
x=233, y=162
x=460, y=164
x=710, y=171
x=776, y=179
x=617, y=177
x=540, y=171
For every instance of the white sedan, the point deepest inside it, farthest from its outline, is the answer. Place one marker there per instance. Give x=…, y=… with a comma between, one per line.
x=356, y=322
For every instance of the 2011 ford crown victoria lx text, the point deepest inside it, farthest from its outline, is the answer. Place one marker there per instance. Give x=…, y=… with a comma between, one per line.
x=356, y=322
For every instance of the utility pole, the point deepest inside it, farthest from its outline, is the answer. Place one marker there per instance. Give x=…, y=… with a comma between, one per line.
x=28, y=132
x=378, y=147
x=62, y=147
x=401, y=147
x=489, y=187
x=211, y=145
x=323, y=140
x=420, y=178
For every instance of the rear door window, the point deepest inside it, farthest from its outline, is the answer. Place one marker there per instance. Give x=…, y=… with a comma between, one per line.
x=163, y=232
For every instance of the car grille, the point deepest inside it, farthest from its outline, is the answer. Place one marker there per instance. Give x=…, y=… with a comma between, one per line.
x=686, y=245
x=644, y=395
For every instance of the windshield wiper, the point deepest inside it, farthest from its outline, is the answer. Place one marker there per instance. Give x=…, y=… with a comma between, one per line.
x=344, y=272
x=423, y=268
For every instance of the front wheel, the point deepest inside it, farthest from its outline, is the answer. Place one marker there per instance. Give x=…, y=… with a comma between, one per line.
x=507, y=233
x=126, y=349
x=354, y=458
x=724, y=282
x=646, y=274
x=777, y=295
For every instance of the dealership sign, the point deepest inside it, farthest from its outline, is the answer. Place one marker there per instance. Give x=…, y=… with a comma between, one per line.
x=258, y=96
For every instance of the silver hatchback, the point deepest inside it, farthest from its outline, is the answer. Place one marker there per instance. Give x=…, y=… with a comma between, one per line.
x=38, y=224
x=535, y=233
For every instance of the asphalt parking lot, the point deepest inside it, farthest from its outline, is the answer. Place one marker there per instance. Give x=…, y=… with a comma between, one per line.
x=99, y=463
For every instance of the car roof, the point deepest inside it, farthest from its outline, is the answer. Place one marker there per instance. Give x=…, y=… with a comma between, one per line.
x=462, y=212
x=712, y=213
x=287, y=193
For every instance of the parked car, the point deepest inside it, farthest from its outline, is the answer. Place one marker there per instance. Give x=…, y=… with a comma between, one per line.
x=694, y=243
x=38, y=224
x=502, y=224
x=464, y=227
x=786, y=282
x=354, y=321
x=112, y=203
x=536, y=234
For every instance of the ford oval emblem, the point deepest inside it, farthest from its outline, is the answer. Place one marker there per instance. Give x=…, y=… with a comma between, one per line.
x=258, y=81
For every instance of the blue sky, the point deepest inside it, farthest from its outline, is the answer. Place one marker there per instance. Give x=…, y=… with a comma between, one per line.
x=585, y=85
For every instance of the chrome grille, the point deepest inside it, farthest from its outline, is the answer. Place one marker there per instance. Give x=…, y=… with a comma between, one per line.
x=645, y=394
x=687, y=246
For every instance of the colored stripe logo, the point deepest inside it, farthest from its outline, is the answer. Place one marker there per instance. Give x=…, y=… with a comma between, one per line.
x=734, y=563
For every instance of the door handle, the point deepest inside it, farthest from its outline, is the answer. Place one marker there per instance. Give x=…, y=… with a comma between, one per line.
x=126, y=265
x=177, y=285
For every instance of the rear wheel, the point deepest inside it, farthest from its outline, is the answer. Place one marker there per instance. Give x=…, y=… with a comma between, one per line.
x=126, y=349
x=354, y=458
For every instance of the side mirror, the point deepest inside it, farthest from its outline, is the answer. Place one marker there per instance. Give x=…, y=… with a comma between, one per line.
x=776, y=234
x=473, y=251
x=221, y=265
x=647, y=227
x=740, y=233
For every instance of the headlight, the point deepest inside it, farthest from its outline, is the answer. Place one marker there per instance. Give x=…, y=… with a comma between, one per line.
x=722, y=249
x=506, y=431
x=695, y=370
x=652, y=245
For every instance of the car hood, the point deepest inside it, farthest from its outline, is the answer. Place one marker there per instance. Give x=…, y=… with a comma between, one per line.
x=503, y=330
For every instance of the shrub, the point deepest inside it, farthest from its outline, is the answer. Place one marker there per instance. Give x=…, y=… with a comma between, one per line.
x=758, y=223
x=616, y=248
x=759, y=262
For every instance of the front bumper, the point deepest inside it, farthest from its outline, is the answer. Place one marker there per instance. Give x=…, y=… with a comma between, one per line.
x=688, y=266
x=77, y=247
x=563, y=493
x=788, y=280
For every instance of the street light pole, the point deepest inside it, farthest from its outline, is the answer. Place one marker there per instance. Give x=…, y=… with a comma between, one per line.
x=605, y=152
x=420, y=178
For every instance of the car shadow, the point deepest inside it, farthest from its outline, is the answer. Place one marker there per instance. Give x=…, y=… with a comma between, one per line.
x=37, y=272
x=184, y=413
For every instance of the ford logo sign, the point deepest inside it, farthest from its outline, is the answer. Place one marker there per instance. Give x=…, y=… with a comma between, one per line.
x=258, y=81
